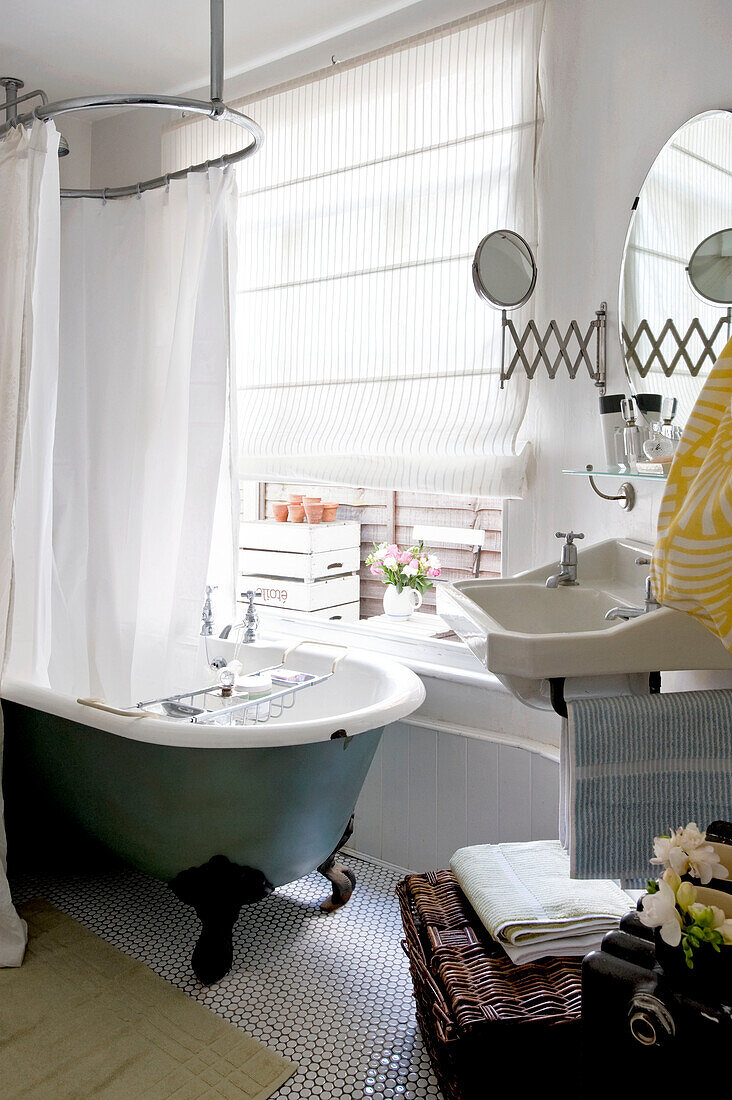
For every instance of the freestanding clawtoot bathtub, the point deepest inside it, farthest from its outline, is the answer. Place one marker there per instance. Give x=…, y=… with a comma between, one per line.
x=224, y=813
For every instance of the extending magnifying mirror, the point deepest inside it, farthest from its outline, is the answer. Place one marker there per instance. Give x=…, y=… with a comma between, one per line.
x=710, y=268
x=504, y=269
x=504, y=275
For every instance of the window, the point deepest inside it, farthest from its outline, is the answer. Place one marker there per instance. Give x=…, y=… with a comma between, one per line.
x=364, y=355
x=388, y=516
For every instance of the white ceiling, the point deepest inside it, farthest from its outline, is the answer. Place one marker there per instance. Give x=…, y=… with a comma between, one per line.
x=84, y=47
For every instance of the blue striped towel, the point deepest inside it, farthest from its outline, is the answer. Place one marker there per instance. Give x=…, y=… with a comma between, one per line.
x=634, y=767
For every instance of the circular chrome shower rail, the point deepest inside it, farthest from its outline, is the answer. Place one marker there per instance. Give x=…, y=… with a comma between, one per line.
x=215, y=109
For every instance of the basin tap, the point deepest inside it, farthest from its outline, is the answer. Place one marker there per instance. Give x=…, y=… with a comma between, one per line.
x=650, y=603
x=250, y=622
x=567, y=574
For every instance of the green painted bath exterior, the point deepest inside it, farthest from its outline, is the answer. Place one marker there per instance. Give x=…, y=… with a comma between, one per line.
x=163, y=808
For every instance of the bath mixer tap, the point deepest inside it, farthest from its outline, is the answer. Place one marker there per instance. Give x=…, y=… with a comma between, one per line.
x=567, y=574
x=650, y=603
x=207, y=613
x=250, y=622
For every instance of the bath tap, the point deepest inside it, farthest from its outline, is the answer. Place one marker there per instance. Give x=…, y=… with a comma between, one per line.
x=650, y=602
x=207, y=613
x=568, y=561
x=250, y=622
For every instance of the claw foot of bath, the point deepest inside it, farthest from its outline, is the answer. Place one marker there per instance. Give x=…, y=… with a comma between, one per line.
x=341, y=878
x=217, y=890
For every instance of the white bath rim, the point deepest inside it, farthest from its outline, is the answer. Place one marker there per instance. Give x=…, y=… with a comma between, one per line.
x=403, y=693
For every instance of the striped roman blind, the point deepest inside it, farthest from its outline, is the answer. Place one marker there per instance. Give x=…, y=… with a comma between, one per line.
x=364, y=356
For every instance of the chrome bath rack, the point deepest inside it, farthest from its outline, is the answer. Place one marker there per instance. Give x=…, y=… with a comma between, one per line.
x=207, y=706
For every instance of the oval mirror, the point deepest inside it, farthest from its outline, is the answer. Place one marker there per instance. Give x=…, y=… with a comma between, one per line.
x=679, y=238
x=504, y=270
x=710, y=268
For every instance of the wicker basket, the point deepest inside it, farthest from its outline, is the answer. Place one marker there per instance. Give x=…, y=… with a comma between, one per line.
x=475, y=1006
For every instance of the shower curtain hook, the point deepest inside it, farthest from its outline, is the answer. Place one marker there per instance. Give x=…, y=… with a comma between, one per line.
x=139, y=192
x=104, y=196
x=166, y=177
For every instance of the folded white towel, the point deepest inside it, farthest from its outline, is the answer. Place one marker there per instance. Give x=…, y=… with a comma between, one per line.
x=574, y=947
x=525, y=898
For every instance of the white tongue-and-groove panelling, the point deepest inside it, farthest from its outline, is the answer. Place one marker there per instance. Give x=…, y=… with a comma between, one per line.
x=430, y=792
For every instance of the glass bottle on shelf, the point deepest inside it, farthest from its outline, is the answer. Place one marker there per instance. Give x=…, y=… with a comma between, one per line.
x=661, y=447
x=632, y=437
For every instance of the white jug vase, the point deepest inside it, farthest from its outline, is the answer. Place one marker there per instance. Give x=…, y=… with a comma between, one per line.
x=400, y=605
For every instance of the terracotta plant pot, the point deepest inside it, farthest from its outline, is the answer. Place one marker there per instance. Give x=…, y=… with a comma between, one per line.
x=294, y=498
x=279, y=510
x=311, y=500
x=313, y=510
x=329, y=511
x=295, y=513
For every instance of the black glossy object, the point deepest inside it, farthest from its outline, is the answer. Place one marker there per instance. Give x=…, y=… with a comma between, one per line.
x=646, y=1015
x=217, y=890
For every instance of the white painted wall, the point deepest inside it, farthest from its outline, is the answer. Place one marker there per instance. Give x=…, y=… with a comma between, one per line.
x=618, y=77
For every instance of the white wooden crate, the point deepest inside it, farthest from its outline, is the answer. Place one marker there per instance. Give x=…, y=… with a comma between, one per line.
x=302, y=595
x=298, y=538
x=305, y=567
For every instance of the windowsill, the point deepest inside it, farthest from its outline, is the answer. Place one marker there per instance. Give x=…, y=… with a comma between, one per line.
x=440, y=658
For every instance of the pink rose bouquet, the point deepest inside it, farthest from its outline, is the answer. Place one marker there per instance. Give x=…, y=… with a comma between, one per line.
x=412, y=567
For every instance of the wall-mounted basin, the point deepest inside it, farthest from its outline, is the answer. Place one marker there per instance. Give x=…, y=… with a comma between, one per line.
x=524, y=632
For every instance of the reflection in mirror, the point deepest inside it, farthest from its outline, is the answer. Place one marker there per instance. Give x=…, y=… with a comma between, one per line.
x=710, y=268
x=671, y=338
x=504, y=270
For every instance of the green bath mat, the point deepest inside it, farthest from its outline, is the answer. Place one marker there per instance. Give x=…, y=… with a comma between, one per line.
x=81, y=1019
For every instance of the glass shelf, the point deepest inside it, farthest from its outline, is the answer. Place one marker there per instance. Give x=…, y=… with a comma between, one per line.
x=614, y=471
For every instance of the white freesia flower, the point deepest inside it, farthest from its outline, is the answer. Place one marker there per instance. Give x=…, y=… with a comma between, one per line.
x=659, y=911
x=691, y=837
x=390, y=561
x=670, y=853
x=411, y=570
x=433, y=562
x=687, y=851
x=671, y=879
x=704, y=864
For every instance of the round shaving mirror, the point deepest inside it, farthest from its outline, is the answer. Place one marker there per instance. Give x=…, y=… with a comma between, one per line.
x=504, y=269
x=710, y=268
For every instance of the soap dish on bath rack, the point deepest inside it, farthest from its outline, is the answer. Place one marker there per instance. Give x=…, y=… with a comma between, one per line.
x=207, y=705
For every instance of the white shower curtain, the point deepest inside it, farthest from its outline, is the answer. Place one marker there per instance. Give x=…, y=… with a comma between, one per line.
x=29, y=214
x=141, y=434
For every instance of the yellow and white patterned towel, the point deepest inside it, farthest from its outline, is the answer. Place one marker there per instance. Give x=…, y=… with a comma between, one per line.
x=692, y=558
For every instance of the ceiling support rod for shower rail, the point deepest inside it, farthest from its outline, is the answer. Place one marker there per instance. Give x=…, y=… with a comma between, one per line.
x=217, y=51
x=12, y=86
x=215, y=108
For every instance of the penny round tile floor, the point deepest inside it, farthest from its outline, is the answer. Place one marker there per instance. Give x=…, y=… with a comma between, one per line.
x=331, y=991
